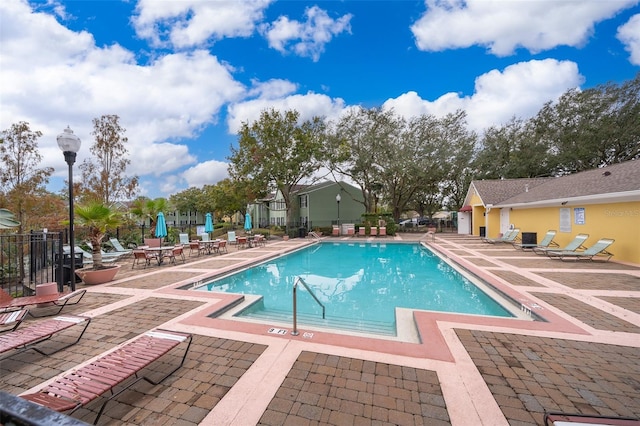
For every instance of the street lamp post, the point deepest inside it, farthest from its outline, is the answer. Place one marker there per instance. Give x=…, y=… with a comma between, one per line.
x=70, y=145
x=338, y=198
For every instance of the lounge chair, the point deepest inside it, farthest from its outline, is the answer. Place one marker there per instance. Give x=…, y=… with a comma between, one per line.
x=558, y=419
x=574, y=245
x=88, y=257
x=383, y=231
x=9, y=321
x=374, y=231
x=184, y=239
x=119, y=248
x=205, y=237
x=335, y=231
x=105, y=254
x=599, y=249
x=362, y=231
x=59, y=300
x=547, y=242
x=27, y=338
x=79, y=387
x=511, y=236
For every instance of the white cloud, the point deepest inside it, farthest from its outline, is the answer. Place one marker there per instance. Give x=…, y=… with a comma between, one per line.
x=309, y=106
x=189, y=23
x=629, y=35
x=206, y=173
x=53, y=77
x=503, y=26
x=308, y=38
x=520, y=90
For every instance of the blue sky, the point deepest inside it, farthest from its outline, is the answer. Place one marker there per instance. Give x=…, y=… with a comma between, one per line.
x=182, y=75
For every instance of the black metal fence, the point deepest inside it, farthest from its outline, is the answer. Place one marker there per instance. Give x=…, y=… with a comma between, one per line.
x=27, y=260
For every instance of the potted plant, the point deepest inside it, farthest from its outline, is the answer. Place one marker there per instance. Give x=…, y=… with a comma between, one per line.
x=96, y=218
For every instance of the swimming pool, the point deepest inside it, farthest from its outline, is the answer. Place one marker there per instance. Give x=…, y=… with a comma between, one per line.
x=360, y=284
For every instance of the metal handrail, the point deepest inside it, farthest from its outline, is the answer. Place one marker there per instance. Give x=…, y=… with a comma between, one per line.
x=295, y=331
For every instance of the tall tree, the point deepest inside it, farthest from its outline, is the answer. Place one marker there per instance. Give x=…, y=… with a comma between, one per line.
x=21, y=180
x=105, y=178
x=355, y=149
x=278, y=151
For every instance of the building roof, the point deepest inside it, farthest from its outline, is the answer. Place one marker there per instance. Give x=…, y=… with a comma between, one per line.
x=492, y=192
x=617, y=182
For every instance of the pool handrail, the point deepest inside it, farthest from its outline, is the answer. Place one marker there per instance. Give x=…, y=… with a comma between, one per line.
x=295, y=303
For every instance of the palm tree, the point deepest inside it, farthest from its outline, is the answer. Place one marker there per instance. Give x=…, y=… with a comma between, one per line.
x=97, y=218
x=146, y=208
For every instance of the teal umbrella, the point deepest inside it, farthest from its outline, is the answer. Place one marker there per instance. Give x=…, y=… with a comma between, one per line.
x=208, y=223
x=247, y=222
x=161, y=227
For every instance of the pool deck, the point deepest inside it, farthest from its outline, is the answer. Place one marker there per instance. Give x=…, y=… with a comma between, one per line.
x=466, y=370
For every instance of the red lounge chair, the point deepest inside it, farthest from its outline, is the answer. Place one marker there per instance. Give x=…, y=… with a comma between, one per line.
x=26, y=338
x=79, y=387
x=551, y=419
x=362, y=231
x=9, y=321
x=8, y=303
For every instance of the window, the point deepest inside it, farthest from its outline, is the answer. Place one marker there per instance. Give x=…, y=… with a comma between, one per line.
x=304, y=201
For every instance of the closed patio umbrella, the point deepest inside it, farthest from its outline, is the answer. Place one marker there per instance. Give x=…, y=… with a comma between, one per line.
x=247, y=222
x=208, y=223
x=161, y=227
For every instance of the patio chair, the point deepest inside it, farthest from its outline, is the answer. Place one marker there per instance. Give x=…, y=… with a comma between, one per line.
x=383, y=231
x=231, y=237
x=508, y=237
x=547, y=242
x=222, y=246
x=81, y=386
x=362, y=231
x=574, y=245
x=205, y=237
x=176, y=253
x=599, y=249
x=27, y=338
x=195, y=246
x=184, y=239
x=153, y=242
x=335, y=231
x=57, y=300
x=374, y=231
x=144, y=257
x=9, y=321
x=87, y=257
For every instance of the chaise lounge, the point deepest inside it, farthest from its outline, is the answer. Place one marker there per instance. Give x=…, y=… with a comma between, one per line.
x=27, y=338
x=574, y=245
x=509, y=237
x=79, y=387
x=59, y=300
x=547, y=242
x=599, y=249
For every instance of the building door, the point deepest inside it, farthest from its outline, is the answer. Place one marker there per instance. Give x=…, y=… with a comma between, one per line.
x=504, y=220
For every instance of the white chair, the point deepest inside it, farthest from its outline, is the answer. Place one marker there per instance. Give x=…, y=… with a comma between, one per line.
x=184, y=239
x=231, y=237
x=205, y=237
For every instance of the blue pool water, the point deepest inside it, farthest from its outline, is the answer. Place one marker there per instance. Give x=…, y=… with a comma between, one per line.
x=359, y=283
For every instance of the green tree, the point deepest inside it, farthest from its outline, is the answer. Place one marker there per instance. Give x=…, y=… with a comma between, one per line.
x=355, y=148
x=145, y=208
x=96, y=218
x=21, y=180
x=279, y=152
x=104, y=178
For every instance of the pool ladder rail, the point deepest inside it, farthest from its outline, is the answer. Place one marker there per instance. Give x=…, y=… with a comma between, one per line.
x=295, y=331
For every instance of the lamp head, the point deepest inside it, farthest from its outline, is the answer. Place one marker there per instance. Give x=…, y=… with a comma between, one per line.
x=68, y=142
x=338, y=198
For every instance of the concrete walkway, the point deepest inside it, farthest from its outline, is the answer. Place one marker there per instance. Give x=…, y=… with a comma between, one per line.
x=583, y=356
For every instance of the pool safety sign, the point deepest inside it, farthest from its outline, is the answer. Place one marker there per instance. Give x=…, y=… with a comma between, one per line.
x=279, y=331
